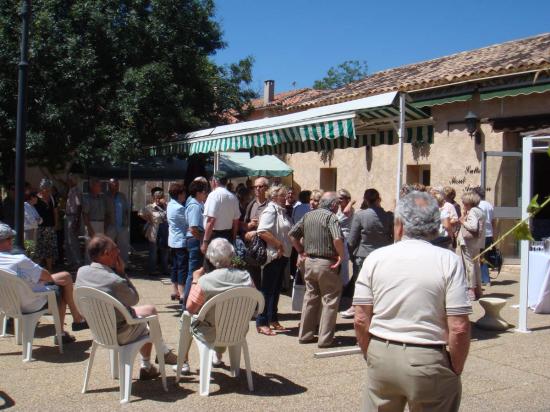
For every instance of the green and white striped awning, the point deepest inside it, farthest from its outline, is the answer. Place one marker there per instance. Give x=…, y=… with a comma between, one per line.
x=321, y=131
x=321, y=128
x=418, y=134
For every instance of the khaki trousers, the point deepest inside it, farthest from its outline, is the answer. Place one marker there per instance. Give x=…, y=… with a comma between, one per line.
x=420, y=376
x=471, y=266
x=323, y=290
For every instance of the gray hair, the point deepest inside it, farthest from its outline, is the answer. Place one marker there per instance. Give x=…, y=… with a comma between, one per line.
x=329, y=201
x=45, y=184
x=220, y=252
x=419, y=214
x=274, y=190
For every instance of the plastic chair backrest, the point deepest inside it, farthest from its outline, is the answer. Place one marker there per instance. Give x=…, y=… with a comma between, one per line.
x=99, y=310
x=10, y=292
x=233, y=310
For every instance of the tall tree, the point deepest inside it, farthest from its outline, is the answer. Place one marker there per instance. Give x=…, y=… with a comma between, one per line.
x=346, y=72
x=108, y=77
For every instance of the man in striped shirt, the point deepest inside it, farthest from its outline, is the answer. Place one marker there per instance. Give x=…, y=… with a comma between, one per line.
x=323, y=250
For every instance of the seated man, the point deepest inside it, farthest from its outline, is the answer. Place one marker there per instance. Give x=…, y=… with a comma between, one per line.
x=207, y=285
x=106, y=273
x=40, y=279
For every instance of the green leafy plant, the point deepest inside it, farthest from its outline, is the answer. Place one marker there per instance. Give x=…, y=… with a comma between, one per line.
x=30, y=249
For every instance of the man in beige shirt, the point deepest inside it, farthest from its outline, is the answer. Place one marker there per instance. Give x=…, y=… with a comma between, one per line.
x=411, y=304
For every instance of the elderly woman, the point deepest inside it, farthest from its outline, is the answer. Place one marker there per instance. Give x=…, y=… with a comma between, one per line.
x=207, y=285
x=372, y=228
x=273, y=228
x=471, y=239
x=446, y=229
x=315, y=198
x=32, y=218
x=194, y=209
x=345, y=211
x=177, y=229
x=156, y=231
x=46, y=239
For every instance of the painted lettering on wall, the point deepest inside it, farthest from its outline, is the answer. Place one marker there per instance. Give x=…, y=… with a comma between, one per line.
x=467, y=181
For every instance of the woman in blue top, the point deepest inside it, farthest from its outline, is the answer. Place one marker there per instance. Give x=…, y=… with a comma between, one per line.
x=177, y=229
x=194, y=209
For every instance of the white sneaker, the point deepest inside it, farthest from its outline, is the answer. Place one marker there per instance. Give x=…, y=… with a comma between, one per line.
x=348, y=314
x=185, y=369
x=216, y=362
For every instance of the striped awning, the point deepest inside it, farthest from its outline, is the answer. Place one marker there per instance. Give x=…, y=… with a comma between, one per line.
x=322, y=128
x=419, y=134
x=322, y=131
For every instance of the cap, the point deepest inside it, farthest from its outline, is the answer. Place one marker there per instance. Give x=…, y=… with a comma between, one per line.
x=6, y=232
x=220, y=174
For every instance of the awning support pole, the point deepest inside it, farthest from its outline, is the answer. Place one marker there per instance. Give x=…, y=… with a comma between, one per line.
x=402, y=99
x=524, y=244
x=216, y=161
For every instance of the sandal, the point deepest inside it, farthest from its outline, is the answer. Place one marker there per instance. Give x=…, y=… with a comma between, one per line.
x=277, y=326
x=264, y=330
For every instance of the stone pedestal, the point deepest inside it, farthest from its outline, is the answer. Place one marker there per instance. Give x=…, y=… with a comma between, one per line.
x=492, y=320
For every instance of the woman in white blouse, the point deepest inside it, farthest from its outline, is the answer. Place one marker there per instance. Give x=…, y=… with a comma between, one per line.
x=273, y=228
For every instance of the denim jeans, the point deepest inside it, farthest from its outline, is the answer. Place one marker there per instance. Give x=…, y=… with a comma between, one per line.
x=485, y=278
x=154, y=251
x=194, y=263
x=271, y=285
x=179, y=265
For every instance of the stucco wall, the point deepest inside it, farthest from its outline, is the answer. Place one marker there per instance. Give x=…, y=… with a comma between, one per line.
x=454, y=158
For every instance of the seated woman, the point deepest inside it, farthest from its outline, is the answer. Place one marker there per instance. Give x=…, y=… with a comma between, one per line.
x=207, y=285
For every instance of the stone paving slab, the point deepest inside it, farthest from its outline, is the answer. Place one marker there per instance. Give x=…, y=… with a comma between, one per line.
x=505, y=371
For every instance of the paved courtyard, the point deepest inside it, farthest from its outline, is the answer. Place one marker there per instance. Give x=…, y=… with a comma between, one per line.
x=505, y=371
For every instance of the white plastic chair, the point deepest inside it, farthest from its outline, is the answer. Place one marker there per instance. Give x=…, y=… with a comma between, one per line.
x=234, y=309
x=99, y=310
x=25, y=323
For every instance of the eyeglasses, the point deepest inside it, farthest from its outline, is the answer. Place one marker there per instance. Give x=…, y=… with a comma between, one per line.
x=260, y=187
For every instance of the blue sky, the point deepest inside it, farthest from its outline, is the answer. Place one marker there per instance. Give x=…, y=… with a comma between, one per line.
x=299, y=40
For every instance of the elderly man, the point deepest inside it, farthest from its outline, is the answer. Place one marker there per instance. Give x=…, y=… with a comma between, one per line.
x=207, y=285
x=410, y=303
x=117, y=218
x=73, y=211
x=107, y=273
x=323, y=250
x=221, y=212
x=40, y=279
x=94, y=209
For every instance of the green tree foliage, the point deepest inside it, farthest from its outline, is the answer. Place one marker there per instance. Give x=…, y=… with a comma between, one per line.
x=109, y=77
x=344, y=73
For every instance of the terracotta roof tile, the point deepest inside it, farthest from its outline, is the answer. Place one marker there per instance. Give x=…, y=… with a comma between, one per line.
x=516, y=56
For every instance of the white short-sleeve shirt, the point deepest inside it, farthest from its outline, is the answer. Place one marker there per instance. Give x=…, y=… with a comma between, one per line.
x=489, y=212
x=30, y=272
x=224, y=206
x=413, y=286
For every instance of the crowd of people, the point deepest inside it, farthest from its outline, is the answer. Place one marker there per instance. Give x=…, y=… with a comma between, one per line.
x=210, y=238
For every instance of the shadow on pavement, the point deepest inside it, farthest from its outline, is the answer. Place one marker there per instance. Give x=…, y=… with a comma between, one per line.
x=72, y=352
x=504, y=282
x=498, y=295
x=152, y=390
x=484, y=334
x=268, y=385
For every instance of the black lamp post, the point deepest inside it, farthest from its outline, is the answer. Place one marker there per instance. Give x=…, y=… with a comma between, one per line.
x=472, y=126
x=21, y=132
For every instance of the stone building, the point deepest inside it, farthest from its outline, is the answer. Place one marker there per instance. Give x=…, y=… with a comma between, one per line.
x=506, y=86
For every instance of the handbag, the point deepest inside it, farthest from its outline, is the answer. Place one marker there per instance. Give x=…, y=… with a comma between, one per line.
x=257, y=250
